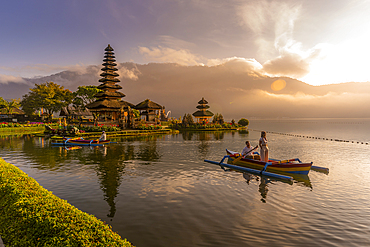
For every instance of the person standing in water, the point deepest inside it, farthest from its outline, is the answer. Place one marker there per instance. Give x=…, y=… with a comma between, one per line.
x=263, y=147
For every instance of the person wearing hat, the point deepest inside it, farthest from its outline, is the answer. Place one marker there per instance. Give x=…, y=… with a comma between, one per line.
x=103, y=136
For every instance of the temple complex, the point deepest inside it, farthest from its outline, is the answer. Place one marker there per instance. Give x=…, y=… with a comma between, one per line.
x=202, y=115
x=109, y=108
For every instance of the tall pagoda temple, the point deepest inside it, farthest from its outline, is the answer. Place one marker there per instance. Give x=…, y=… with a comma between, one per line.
x=202, y=115
x=108, y=106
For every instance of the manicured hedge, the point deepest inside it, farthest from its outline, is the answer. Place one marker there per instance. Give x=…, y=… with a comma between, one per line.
x=32, y=216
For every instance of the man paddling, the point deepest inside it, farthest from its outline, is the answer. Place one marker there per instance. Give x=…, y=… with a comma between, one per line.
x=103, y=136
x=247, y=150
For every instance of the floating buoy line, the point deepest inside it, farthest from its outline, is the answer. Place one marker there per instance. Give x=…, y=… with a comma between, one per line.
x=312, y=137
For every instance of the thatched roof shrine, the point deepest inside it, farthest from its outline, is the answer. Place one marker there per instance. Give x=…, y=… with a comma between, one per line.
x=202, y=114
x=149, y=109
x=148, y=104
x=72, y=111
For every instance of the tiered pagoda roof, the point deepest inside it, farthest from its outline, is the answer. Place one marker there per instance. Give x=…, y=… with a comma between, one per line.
x=202, y=112
x=108, y=99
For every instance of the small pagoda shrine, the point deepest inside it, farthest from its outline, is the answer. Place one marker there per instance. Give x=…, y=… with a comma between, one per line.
x=149, y=110
x=202, y=115
x=108, y=108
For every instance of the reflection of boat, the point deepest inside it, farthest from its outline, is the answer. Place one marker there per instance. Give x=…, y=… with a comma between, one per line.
x=81, y=142
x=69, y=148
x=296, y=178
x=291, y=166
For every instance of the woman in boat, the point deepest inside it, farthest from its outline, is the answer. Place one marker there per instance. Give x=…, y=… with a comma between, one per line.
x=103, y=136
x=247, y=150
x=263, y=147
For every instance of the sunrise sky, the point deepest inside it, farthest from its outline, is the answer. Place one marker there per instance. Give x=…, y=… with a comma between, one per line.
x=315, y=41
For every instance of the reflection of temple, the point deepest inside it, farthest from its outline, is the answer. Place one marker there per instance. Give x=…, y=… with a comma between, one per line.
x=203, y=114
x=110, y=169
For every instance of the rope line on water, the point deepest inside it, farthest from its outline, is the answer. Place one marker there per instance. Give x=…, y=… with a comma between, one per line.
x=311, y=137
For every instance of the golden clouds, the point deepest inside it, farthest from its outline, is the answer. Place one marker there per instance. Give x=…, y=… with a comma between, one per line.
x=169, y=55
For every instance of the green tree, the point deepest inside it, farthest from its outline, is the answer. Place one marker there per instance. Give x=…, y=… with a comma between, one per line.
x=9, y=105
x=84, y=95
x=243, y=122
x=218, y=119
x=136, y=113
x=187, y=120
x=184, y=122
x=190, y=119
x=3, y=102
x=215, y=118
x=48, y=96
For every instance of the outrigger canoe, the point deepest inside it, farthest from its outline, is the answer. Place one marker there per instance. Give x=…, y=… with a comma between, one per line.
x=81, y=142
x=291, y=166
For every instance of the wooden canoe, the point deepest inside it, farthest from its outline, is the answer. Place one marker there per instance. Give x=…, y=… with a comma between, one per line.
x=81, y=142
x=291, y=166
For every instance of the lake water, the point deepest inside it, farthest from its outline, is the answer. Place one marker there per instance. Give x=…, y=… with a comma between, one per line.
x=157, y=191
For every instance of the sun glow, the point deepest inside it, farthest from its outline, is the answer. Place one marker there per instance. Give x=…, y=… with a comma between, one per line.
x=347, y=62
x=278, y=85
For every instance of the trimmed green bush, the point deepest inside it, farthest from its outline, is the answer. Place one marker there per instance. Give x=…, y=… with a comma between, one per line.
x=32, y=216
x=243, y=122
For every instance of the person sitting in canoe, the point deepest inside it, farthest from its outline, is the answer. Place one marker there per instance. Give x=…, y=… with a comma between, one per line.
x=264, y=150
x=247, y=150
x=103, y=136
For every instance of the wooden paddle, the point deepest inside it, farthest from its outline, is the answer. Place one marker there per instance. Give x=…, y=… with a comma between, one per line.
x=251, y=150
x=240, y=157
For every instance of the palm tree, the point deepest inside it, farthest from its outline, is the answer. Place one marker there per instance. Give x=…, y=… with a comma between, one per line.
x=9, y=106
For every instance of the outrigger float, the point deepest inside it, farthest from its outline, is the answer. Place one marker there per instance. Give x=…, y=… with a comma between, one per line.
x=279, y=169
x=81, y=142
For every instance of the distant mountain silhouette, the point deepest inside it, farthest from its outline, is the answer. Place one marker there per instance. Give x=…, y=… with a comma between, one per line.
x=234, y=90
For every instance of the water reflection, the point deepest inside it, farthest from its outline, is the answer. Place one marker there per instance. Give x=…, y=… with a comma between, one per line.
x=148, y=151
x=263, y=186
x=187, y=135
x=204, y=138
x=109, y=169
x=13, y=142
x=203, y=146
x=243, y=132
x=264, y=181
x=108, y=162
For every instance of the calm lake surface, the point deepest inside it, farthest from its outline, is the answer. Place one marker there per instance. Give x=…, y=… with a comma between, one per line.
x=157, y=191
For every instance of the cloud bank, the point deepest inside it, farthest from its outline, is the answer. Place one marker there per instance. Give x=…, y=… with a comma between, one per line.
x=5, y=79
x=232, y=88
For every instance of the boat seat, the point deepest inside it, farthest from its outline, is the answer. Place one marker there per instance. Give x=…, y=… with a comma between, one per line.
x=254, y=157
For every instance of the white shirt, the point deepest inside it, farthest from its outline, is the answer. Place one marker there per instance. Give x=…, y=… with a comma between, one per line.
x=103, y=137
x=263, y=142
x=246, y=150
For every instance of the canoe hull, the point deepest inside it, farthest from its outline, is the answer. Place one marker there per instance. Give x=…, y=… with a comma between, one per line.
x=282, y=167
x=82, y=142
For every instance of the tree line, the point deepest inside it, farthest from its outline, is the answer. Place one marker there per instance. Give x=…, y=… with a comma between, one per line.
x=50, y=97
